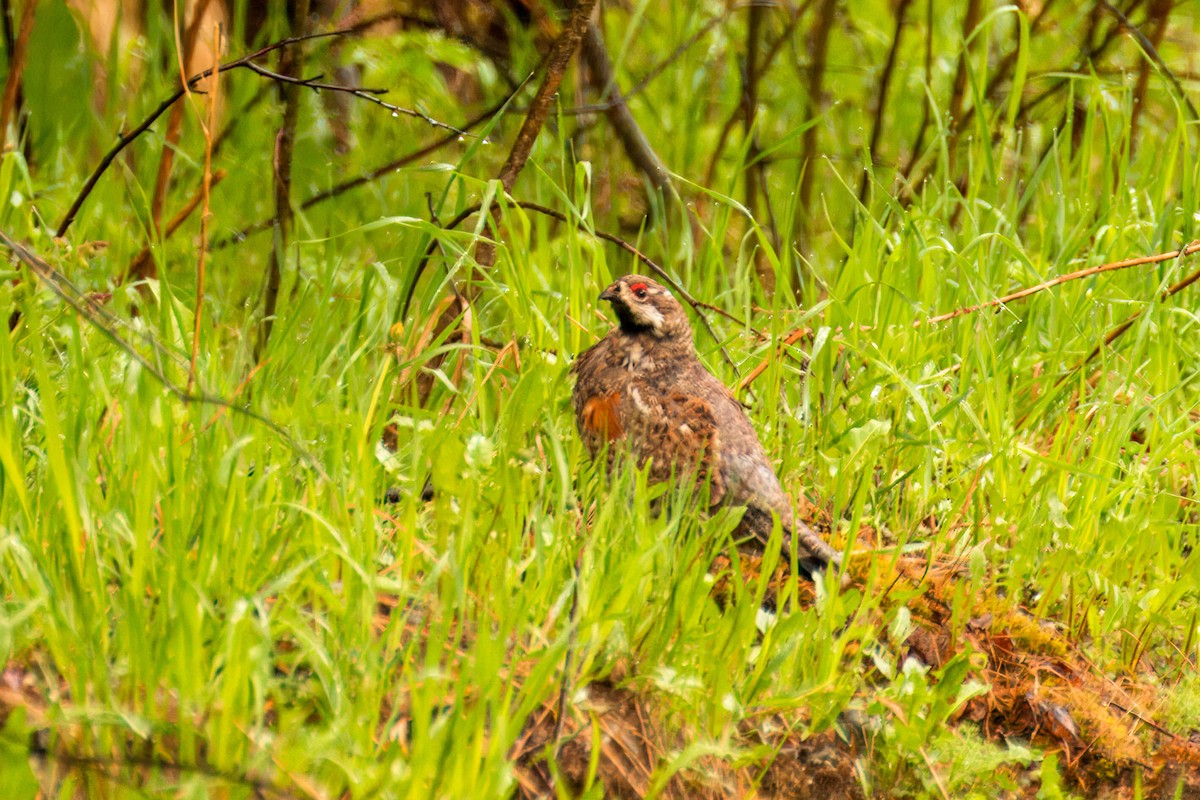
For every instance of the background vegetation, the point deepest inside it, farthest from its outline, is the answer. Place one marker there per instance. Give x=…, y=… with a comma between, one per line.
x=381, y=564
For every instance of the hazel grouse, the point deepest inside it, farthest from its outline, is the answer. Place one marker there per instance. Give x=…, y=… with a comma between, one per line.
x=642, y=387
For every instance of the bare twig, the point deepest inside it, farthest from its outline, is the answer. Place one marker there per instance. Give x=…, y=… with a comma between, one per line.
x=634, y=140
x=361, y=180
x=819, y=50
x=129, y=137
x=958, y=92
x=885, y=81
x=767, y=61
x=926, y=106
x=799, y=333
x=185, y=44
x=556, y=65
x=281, y=161
x=162, y=181
x=1152, y=52
x=792, y=337
x=564, y=47
x=997, y=76
x=750, y=75
x=654, y=267
x=658, y=68
x=1160, y=12
x=755, y=169
x=6, y=29
x=1061, y=279
x=370, y=95
x=1120, y=329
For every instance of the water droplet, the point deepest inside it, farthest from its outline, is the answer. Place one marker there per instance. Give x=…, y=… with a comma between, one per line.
x=462, y=138
x=395, y=113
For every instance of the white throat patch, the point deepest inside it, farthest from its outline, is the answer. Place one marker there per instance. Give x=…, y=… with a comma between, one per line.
x=649, y=316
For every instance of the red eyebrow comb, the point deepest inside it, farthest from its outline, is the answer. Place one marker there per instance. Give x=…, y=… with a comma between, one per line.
x=633, y=287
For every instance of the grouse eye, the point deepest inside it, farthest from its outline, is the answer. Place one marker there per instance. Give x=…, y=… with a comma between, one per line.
x=639, y=290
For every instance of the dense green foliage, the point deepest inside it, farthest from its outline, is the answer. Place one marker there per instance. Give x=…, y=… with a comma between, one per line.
x=183, y=585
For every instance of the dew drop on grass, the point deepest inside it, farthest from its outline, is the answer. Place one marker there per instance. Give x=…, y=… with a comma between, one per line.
x=395, y=114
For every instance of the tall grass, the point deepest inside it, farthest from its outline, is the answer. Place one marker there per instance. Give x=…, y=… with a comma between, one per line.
x=182, y=586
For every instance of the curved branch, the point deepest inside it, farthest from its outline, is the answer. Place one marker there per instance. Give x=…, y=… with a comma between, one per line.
x=799, y=333
x=608, y=237
x=367, y=177
x=1194, y=247
x=1151, y=51
x=245, y=62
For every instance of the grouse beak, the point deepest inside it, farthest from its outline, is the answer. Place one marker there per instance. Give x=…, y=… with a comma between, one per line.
x=610, y=294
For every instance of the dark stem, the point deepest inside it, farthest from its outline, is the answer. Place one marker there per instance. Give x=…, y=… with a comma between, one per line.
x=561, y=52
x=881, y=94
x=289, y=66
x=633, y=139
x=958, y=93
x=245, y=62
x=819, y=50
x=556, y=66
x=1151, y=50
x=362, y=180
x=696, y=305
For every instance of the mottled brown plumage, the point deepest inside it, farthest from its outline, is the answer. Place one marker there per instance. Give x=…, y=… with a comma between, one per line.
x=642, y=387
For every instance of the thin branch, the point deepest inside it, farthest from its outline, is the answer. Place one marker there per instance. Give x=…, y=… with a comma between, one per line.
x=1151, y=51
x=1121, y=328
x=608, y=237
x=166, y=163
x=927, y=105
x=792, y=337
x=885, y=82
x=370, y=95
x=754, y=172
x=561, y=52
x=361, y=180
x=1160, y=12
x=799, y=333
x=661, y=66
x=291, y=61
x=731, y=120
x=185, y=45
x=125, y=139
x=556, y=65
x=815, y=75
x=634, y=140
x=205, y=192
x=998, y=74
x=750, y=75
x=958, y=92
x=6, y=23
x=1061, y=279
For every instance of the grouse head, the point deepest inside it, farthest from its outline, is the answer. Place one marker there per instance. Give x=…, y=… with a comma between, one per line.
x=643, y=306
